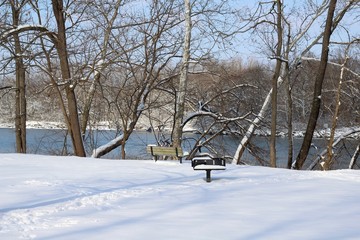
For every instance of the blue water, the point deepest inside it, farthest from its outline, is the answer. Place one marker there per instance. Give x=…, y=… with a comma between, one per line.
x=51, y=142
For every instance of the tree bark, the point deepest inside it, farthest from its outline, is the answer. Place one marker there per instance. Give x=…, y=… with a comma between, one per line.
x=180, y=100
x=289, y=117
x=316, y=102
x=61, y=47
x=274, y=84
x=20, y=96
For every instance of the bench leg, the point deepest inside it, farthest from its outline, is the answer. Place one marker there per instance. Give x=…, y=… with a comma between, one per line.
x=208, y=175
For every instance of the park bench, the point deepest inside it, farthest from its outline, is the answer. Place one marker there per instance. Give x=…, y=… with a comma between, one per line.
x=208, y=164
x=157, y=151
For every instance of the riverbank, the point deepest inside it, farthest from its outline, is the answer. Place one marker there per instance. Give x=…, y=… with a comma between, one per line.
x=323, y=133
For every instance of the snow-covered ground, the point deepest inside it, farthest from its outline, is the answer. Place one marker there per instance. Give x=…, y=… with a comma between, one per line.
x=49, y=197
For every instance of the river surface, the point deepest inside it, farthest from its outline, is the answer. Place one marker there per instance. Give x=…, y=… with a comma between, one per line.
x=51, y=142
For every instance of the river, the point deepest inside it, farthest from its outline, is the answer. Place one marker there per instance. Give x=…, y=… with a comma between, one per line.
x=51, y=142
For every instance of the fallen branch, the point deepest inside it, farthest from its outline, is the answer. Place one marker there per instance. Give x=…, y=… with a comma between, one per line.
x=354, y=157
x=321, y=156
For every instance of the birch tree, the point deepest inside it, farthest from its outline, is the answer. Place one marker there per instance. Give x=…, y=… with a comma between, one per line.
x=180, y=98
x=329, y=157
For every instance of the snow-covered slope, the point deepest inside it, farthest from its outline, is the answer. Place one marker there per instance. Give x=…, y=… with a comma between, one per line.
x=47, y=197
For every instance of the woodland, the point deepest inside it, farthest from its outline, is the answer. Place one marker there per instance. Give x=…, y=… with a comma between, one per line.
x=218, y=67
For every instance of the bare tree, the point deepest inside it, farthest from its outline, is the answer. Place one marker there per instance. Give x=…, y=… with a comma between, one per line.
x=276, y=75
x=70, y=84
x=292, y=58
x=145, y=56
x=180, y=100
x=105, y=16
x=20, y=96
x=329, y=158
x=317, y=88
x=59, y=40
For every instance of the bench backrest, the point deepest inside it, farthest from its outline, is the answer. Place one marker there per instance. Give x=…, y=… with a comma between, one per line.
x=165, y=151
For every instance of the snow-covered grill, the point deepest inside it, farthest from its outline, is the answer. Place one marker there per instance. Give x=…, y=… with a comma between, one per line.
x=208, y=164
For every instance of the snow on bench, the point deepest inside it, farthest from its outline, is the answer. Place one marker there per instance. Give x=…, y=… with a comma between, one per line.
x=208, y=164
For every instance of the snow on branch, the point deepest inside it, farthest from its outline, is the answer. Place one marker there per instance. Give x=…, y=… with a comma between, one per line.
x=102, y=150
x=216, y=116
x=26, y=28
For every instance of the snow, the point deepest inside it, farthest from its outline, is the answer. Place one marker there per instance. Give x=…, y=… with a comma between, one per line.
x=209, y=167
x=54, y=197
x=107, y=145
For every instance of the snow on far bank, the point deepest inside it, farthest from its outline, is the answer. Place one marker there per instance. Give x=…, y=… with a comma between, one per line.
x=49, y=197
x=188, y=128
x=56, y=125
x=105, y=125
x=37, y=125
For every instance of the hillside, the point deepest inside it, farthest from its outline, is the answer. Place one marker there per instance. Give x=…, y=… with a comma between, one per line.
x=48, y=197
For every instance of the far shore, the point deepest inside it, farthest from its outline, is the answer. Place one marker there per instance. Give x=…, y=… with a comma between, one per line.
x=323, y=133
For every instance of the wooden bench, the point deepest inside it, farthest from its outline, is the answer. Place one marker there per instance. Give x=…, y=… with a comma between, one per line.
x=208, y=164
x=157, y=151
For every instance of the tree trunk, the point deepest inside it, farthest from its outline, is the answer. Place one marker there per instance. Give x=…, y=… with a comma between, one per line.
x=274, y=85
x=20, y=110
x=104, y=149
x=20, y=97
x=329, y=158
x=74, y=126
x=180, y=100
x=245, y=140
x=316, y=102
x=289, y=118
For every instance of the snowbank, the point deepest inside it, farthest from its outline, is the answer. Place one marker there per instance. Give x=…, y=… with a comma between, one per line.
x=48, y=197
